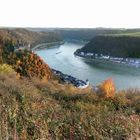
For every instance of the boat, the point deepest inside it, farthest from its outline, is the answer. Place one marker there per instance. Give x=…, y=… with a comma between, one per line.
x=59, y=52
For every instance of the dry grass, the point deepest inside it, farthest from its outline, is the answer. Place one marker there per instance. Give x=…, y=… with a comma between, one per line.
x=36, y=109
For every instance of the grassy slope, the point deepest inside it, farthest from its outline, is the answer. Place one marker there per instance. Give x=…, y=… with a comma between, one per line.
x=39, y=110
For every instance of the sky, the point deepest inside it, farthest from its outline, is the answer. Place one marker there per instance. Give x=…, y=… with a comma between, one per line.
x=70, y=13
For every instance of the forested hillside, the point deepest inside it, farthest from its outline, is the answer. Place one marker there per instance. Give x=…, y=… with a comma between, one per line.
x=118, y=45
x=84, y=34
x=25, y=36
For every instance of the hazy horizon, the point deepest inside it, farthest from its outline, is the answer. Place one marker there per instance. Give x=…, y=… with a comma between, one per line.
x=70, y=13
x=35, y=27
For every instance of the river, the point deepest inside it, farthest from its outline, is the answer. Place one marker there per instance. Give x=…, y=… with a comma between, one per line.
x=62, y=58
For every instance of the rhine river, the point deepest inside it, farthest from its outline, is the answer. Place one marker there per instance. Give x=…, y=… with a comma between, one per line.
x=61, y=58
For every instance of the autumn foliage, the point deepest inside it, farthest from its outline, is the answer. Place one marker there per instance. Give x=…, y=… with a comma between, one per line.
x=25, y=63
x=30, y=65
x=107, y=88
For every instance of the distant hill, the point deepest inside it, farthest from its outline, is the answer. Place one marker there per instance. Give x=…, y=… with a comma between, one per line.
x=27, y=36
x=118, y=45
x=84, y=34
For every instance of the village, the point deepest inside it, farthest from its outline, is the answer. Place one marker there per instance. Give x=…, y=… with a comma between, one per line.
x=22, y=47
x=133, y=62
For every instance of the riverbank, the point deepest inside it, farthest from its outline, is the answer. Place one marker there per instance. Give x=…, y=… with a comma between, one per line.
x=106, y=59
x=71, y=80
x=46, y=45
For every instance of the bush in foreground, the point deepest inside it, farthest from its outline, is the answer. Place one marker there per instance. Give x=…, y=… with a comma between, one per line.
x=106, y=89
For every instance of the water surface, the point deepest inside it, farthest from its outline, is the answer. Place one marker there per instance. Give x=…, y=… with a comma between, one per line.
x=62, y=58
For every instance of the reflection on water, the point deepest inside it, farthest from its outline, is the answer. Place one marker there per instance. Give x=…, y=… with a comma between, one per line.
x=66, y=62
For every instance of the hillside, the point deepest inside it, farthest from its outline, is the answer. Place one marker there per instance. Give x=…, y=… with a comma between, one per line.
x=25, y=36
x=85, y=34
x=35, y=105
x=117, y=45
x=34, y=109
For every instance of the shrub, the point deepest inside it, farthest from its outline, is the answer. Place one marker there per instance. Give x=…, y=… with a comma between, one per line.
x=30, y=65
x=107, y=88
x=6, y=69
